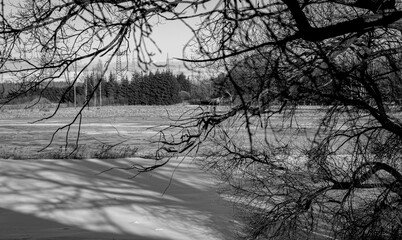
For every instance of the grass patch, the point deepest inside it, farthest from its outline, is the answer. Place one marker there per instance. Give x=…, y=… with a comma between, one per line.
x=102, y=151
x=83, y=151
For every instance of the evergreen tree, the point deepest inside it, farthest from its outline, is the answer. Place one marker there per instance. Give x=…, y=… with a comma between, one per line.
x=123, y=93
x=110, y=89
x=184, y=82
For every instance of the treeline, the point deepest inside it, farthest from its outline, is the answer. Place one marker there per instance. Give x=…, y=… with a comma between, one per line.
x=153, y=88
x=160, y=88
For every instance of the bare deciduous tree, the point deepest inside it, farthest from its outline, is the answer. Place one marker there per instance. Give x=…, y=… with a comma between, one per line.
x=298, y=173
x=303, y=172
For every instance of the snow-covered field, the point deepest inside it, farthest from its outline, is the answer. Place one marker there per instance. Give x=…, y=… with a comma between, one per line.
x=21, y=137
x=68, y=199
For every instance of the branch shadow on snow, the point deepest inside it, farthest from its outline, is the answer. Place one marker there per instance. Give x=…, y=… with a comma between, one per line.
x=71, y=200
x=17, y=225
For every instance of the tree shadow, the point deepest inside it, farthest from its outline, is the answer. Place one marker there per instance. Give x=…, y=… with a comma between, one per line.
x=71, y=194
x=17, y=225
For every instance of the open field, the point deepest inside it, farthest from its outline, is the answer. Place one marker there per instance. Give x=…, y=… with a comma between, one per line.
x=45, y=198
x=69, y=199
x=129, y=125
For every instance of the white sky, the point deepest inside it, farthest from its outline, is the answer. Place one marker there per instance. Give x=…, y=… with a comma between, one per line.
x=171, y=37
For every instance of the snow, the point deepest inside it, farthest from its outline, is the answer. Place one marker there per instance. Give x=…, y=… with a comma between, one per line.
x=70, y=199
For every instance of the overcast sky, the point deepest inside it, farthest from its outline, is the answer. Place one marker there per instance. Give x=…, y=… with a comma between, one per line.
x=171, y=38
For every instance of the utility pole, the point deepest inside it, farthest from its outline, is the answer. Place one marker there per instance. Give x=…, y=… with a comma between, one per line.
x=98, y=76
x=75, y=87
x=100, y=92
x=133, y=63
x=93, y=85
x=167, y=63
x=86, y=89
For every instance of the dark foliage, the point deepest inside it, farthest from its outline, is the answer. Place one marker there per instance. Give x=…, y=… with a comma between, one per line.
x=160, y=88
